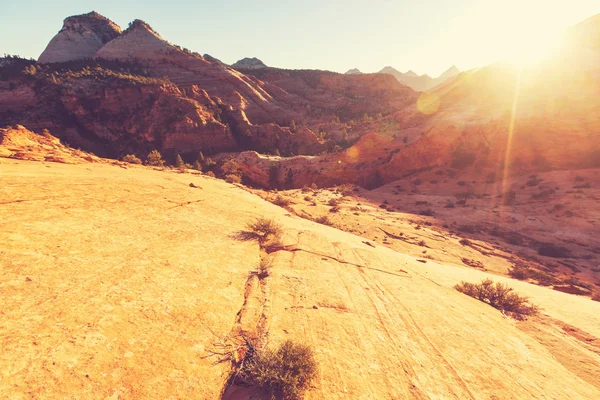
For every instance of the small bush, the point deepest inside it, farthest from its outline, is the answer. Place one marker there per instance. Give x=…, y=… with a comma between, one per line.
x=449, y=204
x=324, y=220
x=155, y=159
x=265, y=228
x=210, y=173
x=131, y=159
x=518, y=272
x=285, y=373
x=499, y=296
x=231, y=178
x=281, y=201
x=596, y=297
x=333, y=202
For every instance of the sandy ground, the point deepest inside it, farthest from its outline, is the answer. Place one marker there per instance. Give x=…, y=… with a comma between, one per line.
x=117, y=284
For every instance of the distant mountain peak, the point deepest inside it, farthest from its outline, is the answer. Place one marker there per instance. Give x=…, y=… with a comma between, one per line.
x=389, y=70
x=251, y=63
x=450, y=72
x=411, y=73
x=353, y=71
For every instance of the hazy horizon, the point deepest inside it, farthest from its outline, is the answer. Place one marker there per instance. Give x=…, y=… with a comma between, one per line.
x=427, y=37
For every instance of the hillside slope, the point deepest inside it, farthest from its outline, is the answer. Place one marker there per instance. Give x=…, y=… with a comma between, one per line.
x=118, y=282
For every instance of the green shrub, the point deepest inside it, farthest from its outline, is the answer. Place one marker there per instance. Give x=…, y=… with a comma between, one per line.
x=500, y=296
x=131, y=159
x=285, y=373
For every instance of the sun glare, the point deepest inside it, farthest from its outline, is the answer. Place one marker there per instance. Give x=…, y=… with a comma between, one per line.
x=522, y=33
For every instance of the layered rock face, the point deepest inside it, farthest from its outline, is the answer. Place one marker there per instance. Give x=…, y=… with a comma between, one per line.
x=81, y=37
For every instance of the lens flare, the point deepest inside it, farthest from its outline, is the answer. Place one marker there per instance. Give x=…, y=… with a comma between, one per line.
x=428, y=103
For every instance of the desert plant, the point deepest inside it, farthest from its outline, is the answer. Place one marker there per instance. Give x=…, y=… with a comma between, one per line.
x=197, y=166
x=131, y=159
x=499, y=296
x=285, y=373
x=155, y=159
x=231, y=178
x=210, y=173
x=596, y=297
x=281, y=201
x=333, y=202
x=265, y=229
x=324, y=220
x=519, y=272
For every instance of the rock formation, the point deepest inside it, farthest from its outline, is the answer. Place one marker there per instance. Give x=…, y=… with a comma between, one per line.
x=81, y=37
x=249, y=63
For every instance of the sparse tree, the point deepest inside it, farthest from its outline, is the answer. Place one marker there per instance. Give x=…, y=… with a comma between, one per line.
x=155, y=159
x=179, y=162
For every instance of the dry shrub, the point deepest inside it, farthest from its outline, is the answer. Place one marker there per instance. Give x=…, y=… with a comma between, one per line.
x=500, y=296
x=324, y=220
x=265, y=229
x=131, y=159
x=596, y=297
x=285, y=373
x=281, y=201
x=231, y=178
x=210, y=173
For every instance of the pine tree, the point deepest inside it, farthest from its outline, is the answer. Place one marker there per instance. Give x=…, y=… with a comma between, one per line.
x=179, y=162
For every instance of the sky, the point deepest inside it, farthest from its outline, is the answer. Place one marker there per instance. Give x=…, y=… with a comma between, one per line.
x=426, y=36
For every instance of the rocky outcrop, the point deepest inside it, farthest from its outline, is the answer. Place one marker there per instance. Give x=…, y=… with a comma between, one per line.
x=81, y=37
x=250, y=63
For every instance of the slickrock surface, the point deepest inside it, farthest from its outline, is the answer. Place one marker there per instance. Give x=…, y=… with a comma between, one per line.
x=117, y=283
